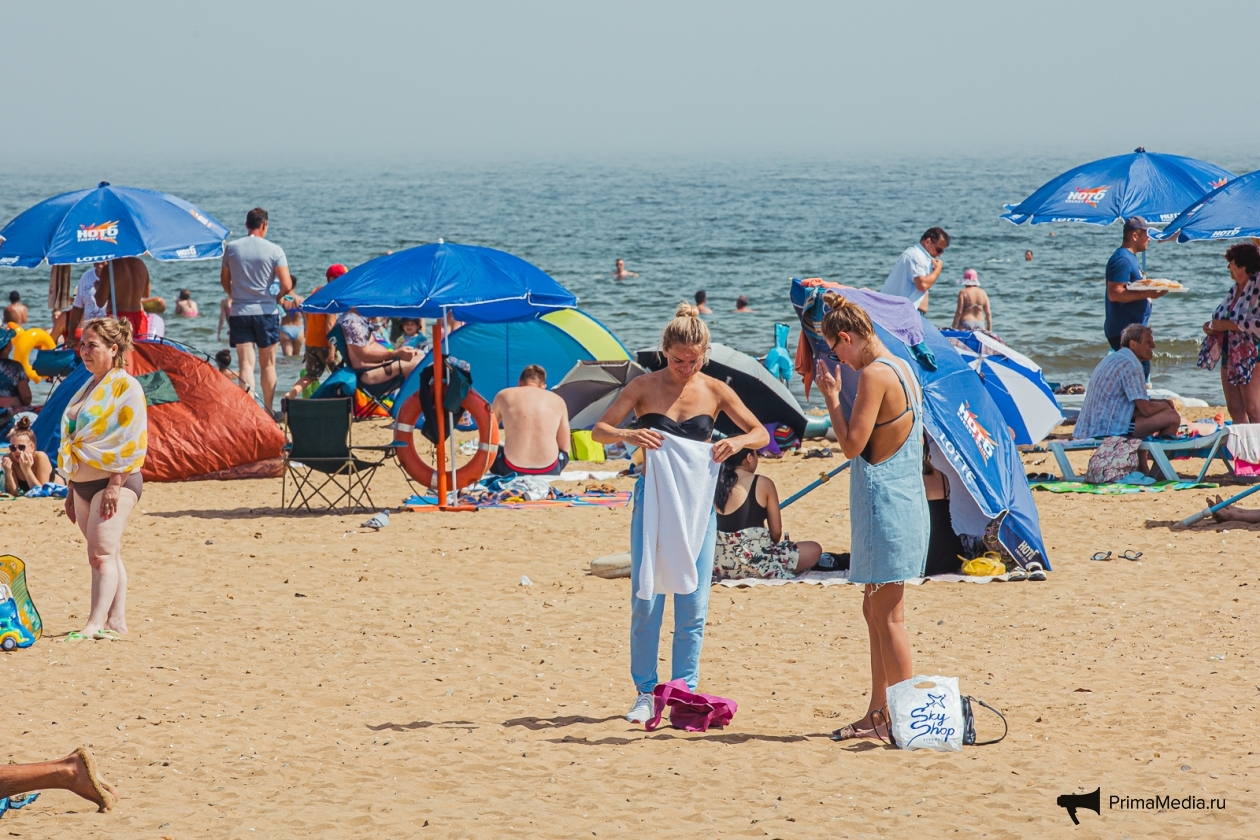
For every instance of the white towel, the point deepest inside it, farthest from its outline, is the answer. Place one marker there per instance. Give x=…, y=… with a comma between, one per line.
x=681, y=477
x=1244, y=442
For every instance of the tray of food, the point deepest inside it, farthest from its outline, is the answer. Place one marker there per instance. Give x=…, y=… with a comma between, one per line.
x=1155, y=284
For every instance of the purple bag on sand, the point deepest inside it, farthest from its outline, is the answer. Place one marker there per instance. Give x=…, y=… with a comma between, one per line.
x=688, y=710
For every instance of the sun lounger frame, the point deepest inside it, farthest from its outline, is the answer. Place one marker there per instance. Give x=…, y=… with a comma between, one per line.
x=1159, y=451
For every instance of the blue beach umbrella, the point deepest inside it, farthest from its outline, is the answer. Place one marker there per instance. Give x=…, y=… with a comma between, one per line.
x=1228, y=212
x=1015, y=384
x=108, y=223
x=1148, y=184
x=474, y=284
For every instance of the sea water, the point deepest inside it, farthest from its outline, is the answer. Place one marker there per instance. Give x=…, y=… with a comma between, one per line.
x=729, y=227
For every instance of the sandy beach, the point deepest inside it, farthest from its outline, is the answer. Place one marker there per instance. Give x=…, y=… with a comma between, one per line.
x=299, y=677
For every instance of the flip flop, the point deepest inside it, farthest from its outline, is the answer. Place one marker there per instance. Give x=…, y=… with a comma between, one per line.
x=1102, y=555
x=107, y=636
x=76, y=636
x=1130, y=554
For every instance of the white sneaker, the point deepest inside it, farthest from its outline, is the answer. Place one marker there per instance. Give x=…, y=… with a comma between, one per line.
x=641, y=711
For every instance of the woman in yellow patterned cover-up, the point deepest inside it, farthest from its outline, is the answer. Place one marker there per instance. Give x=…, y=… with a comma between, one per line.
x=104, y=438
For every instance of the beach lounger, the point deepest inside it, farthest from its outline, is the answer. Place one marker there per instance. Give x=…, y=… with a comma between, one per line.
x=323, y=461
x=1206, y=447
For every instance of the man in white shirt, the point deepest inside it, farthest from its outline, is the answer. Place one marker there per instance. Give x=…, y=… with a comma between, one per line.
x=918, y=268
x=85, y=307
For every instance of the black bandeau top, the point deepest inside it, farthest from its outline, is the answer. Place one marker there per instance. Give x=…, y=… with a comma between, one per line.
x=698, y=428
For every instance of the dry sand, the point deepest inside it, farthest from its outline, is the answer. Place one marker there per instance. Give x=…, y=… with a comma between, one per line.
x=416, y=689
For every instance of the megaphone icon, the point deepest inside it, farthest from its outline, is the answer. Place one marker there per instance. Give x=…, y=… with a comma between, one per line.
x=1072, y=801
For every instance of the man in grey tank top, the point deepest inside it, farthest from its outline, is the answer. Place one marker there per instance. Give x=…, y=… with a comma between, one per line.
x=255, y=275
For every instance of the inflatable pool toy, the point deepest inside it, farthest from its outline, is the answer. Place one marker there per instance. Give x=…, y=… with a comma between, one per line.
x=24, y=342
x=20, y=624
x=487, y=432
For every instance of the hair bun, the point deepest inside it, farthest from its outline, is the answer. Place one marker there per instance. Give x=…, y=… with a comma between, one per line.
x=22, y=425
x=835, y=300
x=687, y=310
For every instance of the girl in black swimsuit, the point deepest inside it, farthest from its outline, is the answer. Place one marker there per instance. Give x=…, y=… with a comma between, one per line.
x=750, y=540
x=682, y=402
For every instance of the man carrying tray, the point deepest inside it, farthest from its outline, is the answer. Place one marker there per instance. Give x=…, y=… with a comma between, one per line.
x=1125, y=306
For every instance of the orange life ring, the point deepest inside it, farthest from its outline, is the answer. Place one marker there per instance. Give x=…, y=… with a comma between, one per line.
x=487, y=431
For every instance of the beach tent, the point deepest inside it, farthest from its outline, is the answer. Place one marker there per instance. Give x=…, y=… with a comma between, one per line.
x=970, y=443
x=497, y=353
x=766, y=397
x=592, y=386
x=201, y=424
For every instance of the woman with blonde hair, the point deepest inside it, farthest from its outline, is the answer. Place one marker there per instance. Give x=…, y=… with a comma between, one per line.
x=104, y=439
x=674, y=526
x=888, y=509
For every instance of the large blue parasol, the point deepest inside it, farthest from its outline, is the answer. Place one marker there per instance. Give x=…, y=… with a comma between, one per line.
x=108, y=223
x=473, y=284
x=1148, y=184
x=1228, y=212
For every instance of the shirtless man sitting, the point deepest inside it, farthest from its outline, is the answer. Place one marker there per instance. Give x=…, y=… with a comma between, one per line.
x=131, y=285
x=535, y=426
x=972, y=312
x=15, y=312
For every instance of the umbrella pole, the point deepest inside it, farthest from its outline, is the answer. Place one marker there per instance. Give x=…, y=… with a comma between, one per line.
x=439, y=412
x=113, y=298
x=1211, y=509
x=822, y=479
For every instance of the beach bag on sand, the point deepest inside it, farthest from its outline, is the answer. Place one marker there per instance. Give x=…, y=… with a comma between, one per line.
x=688, y=710
x=1113, y=460
x=929, y=713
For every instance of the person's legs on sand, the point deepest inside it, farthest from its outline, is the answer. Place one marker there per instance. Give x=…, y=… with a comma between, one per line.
x=1235, y=406
x=690, y=613
x=267, y=373
x=76, y=773
x=246, y=354
x=1250, y=394
x=109, y=582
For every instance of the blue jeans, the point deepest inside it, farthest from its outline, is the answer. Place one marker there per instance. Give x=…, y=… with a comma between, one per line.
x=690, y=611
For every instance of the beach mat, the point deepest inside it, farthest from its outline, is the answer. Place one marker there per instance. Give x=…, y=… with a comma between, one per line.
x=620, y=499
x=1118, y=489
x=842, y=579
x=13, y=574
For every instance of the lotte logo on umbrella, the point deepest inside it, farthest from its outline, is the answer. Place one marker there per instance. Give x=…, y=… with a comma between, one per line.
x=1087, y=195
x=104, y=232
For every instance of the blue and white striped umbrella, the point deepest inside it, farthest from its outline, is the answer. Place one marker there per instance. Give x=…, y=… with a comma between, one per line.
x=1014, y=382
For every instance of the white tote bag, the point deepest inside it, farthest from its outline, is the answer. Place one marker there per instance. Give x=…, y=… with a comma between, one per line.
x=926, y=713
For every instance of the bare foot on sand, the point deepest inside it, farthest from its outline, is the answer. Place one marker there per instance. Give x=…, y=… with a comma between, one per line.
x=88, y=782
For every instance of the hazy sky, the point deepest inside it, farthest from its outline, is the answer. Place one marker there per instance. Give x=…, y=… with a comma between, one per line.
x=501, y=80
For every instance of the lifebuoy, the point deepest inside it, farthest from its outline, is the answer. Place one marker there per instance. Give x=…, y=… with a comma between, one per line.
x=487, y=431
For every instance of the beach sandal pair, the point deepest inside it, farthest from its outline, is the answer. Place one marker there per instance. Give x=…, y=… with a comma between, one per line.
x=825, y=452
x=98, y=636
x=1127, y=554
x=1034, y=478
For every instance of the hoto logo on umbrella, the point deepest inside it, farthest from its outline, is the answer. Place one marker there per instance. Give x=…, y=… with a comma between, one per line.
x=189, y=253
x=1087, y=195
x=984, y=441
x=104, y=232
x=1226, y=234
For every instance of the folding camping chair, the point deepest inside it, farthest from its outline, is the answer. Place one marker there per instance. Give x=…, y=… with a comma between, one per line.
x=320, y=448
x=375, y=394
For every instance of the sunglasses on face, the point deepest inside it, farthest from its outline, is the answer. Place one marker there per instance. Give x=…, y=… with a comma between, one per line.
x=20, y=447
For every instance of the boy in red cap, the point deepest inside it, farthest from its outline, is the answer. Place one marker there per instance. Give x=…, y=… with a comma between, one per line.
x=319, y=354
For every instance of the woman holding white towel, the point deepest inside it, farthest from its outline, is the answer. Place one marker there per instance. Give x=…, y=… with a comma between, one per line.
x=888, y=508
x=674, y=526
